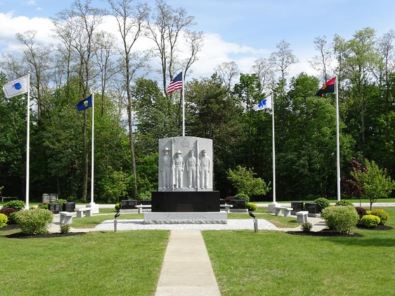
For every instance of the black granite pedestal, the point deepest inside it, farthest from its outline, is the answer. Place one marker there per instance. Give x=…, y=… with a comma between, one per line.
x=185, y=201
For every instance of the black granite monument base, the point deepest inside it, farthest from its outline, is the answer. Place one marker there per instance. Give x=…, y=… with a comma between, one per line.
x=185, y=201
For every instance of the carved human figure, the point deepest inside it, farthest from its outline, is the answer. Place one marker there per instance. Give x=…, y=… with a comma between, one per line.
x=178, y=169
x=191, y=170
x=165, y=170
x=205, y=166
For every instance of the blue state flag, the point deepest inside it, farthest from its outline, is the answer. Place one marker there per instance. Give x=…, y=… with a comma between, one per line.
x=84, y=103
x=263, y=104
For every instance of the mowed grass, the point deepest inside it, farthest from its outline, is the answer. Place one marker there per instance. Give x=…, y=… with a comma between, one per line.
x=275, y=263
x=262, y=213
x=90, y=222
x=123, y=263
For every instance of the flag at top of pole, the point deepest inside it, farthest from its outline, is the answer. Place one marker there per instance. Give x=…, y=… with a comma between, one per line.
x=263, y=104
x=84, y=103
x=175, y=84
x=11, y=89
x=328, y=87
x=332, y=86
x=16, y=87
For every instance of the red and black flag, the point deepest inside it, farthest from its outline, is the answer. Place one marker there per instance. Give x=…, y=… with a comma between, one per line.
x=328, y=87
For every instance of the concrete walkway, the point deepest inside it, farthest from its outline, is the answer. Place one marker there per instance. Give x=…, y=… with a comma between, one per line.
x=186, y=269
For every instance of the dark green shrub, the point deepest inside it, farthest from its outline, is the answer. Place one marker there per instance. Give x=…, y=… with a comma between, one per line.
x=34, y=221
x=307, y=226
x=64, y=228
x=369, y=221
x=15, y=204
x=243, y=196
x=3, y=220
x=340, y=218
x=251, y=206
x=9, y=213
x=61, y=201
x=322, y=203
x=361, y=211
x=43, y=206
x=344, y=203
x=383, y=215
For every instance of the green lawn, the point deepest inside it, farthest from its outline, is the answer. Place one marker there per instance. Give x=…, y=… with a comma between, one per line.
x=275, y=263
x=90, y=222
x=262, y=213
x=123, y=263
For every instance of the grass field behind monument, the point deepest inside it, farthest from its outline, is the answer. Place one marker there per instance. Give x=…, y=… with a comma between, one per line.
x=275, y=263
x=123, y=263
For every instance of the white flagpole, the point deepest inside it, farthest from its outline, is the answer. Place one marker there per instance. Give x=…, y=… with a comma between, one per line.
x=93, y=151
x=183, y=106
x=337, y=140
x=28, y=143
x=273, y=153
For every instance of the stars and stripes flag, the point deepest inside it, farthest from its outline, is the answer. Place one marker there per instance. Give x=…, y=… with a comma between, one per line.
x=175, y=84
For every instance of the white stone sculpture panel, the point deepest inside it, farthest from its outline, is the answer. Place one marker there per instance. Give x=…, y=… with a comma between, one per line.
x=185, y=164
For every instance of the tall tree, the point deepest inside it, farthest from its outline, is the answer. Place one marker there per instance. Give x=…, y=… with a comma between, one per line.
x=283, y=58
x=130, y=18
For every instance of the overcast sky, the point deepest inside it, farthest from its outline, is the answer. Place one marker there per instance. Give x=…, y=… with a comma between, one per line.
x=234, y=29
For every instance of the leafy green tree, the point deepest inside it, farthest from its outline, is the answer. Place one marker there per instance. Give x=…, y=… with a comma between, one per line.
x=244, y=182
x=375, y=182
x=115, y=186
x=212, y=112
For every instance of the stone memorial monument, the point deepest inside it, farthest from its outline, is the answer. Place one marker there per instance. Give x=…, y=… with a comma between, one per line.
x=185, y=181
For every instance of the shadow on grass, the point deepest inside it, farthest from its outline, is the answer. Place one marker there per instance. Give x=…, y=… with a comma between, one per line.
x=362, y=241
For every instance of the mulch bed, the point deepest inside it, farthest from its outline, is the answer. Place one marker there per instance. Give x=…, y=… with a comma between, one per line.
x=324, y=232
x=45, y=235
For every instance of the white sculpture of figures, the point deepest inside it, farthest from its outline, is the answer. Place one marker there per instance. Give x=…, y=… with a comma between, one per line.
x=178, y=169
x=191, y=170
x=166, y=170
x=205, y=165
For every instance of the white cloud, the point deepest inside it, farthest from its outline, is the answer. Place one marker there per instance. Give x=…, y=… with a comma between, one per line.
x=215, y=49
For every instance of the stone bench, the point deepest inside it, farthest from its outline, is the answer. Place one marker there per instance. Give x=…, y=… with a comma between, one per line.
x=141, y=207
x=227, y=207
x=87, y=212
x=286, y=211
x=66, y=218
x=301, y=216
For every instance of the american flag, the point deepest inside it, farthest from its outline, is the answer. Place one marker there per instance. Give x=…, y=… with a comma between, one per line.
x=175, y=84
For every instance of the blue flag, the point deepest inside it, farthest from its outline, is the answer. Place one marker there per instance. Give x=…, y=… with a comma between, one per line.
x=84, y=103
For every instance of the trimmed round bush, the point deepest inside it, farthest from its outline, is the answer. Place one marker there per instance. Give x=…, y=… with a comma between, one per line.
x=344, y=203
x=15, y=204
x=322, y=203
x=340, y=218
x=3, y=220
x=383, y=215
x=243, y=196
x=369, y=221
x=251, y=206
x=34, y=221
